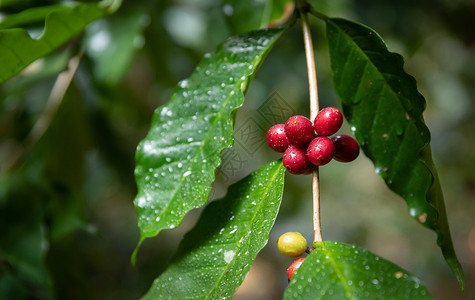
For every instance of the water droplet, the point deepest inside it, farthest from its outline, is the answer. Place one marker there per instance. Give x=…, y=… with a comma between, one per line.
x=228, y=256
x=141, y=202
x=157, y=219
x=187, y=173
x=166, y=112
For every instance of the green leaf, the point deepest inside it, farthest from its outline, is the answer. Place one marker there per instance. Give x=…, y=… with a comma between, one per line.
x=384, y=108
x=243, y=16
x=28, y=16
x=215, y=256
x=18, y=49
x=122, y=35
x=175, y=163
x=340, y=271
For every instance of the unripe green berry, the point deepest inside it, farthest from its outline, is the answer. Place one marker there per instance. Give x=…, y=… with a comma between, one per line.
x=292, y=244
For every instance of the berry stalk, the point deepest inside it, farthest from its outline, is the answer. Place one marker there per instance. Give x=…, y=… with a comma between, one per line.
x=314, y=108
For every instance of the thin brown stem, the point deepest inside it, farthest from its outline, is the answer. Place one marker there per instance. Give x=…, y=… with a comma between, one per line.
x=314, y=108
x=55, y=99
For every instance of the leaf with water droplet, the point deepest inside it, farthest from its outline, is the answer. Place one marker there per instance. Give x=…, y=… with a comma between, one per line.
x=195, y=135
x=341, y=271
x=230, y=225
x=384, y=108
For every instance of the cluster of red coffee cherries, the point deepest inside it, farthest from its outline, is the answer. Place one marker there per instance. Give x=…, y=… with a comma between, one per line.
x=303, y=149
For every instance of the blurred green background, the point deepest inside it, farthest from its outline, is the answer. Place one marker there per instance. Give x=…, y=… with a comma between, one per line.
x=68, y=224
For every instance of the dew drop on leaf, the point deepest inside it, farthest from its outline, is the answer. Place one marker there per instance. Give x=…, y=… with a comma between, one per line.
x=228, y=256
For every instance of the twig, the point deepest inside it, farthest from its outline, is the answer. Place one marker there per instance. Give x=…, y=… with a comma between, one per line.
x=313, y=89
x=55, y=99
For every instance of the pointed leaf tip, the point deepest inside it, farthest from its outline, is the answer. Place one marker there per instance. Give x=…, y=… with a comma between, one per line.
x=176, y=162
x=382, y=104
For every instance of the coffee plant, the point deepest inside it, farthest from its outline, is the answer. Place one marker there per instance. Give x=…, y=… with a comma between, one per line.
x=177, y=161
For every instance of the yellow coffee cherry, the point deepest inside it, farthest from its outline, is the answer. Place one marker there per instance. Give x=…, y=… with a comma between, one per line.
x=292, y=244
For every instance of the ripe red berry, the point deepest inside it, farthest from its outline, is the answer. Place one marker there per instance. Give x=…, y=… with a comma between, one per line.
x=277, y=139
x=328, y=121
x=299, y=130
x=346, y=148
x=320, y=150
x=295, y=160
x=294, y=266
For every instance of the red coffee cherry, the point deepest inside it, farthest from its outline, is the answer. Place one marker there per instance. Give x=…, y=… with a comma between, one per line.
x=328, y=121
x=294, y=266
x=346, y=148
x=295, y=160
x=277, y=139
x=299, y=130
x=320, y=151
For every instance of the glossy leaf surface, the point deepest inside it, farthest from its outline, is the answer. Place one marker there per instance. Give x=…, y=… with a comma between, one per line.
x=384, y=108
x=215, y=256
x=18, y=49
x=340, y=271
x=175, y=163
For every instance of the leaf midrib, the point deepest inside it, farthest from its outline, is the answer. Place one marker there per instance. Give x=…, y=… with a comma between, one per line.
x=237, y=92
x=387, y=85
x=344, y=283
x=277, y=171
